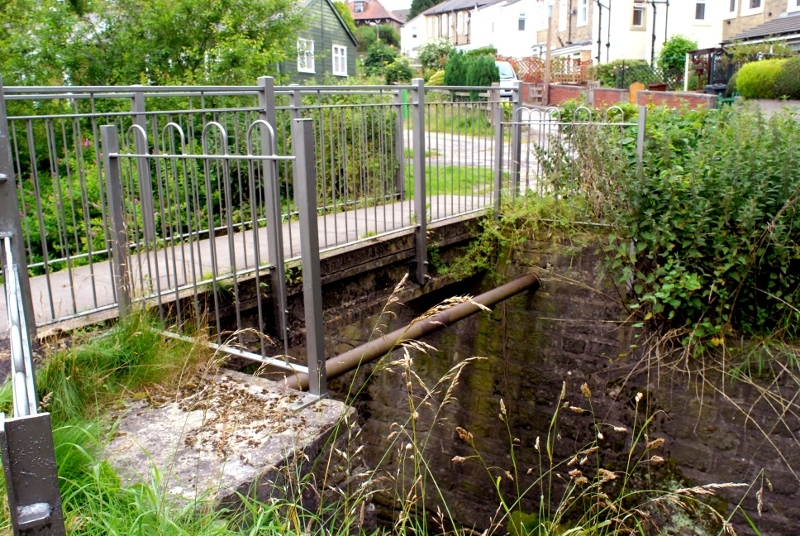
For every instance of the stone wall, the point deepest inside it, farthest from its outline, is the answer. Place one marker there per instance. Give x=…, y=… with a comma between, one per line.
x=569, y=332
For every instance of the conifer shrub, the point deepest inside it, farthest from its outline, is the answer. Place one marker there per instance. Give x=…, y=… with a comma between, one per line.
x=756, y=80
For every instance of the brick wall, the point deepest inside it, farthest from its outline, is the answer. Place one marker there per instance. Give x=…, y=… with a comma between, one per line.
x=676, y=99
x=561, y=93
x=608, y=97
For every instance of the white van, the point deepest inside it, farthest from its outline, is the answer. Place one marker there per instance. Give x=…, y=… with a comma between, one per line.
x=508, y=79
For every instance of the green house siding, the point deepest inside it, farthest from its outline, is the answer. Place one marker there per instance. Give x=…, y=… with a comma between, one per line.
x=326, y=29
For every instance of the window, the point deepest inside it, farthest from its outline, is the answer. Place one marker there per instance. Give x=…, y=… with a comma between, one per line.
x=583, y=12
x=562, y=16
x=521, y=23
x=755, y=4
x=794, y=5
x=638, y=16
x=339, y=60
x=305, y=56
x=700, y=11
x=460, y=23
x=359, y=7
x=732, y=6
x=414, y=32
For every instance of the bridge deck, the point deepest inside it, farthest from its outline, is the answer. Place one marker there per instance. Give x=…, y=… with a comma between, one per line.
x=84, y=289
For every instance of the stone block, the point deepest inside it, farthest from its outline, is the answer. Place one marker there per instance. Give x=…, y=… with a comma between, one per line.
x=691, y=455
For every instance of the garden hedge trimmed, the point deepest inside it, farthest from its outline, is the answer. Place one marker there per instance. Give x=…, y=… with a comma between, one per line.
x=770, y=79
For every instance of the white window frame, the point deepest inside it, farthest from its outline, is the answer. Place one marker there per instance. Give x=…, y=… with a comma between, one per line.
x=731, y=13
x=562, y=15
x=794, y=5
x=643, y=12
x=696, y=5
x=746, y=10
x=339, y=55
x=460, y=23
x=583, y=13
x=305, y=56
x=358, y=4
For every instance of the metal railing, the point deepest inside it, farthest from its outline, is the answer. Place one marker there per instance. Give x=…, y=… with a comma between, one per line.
x=372, y=144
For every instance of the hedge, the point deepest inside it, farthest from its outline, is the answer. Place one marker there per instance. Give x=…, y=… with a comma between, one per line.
x=788, y=82
x=756, y=80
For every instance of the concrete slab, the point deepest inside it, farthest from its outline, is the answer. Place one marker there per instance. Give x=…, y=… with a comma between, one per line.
x=223, y=434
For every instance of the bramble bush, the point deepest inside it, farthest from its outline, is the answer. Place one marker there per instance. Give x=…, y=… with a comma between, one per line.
x=705, y=231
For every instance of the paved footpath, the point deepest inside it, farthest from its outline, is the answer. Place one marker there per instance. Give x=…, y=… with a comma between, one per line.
x=90, y=287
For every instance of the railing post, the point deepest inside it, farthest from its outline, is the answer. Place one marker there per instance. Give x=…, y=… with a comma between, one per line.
x=305, y=187
x=420, y=198
x=400, y=147
x=641, y=134
x=143, y=168
x=516, y=137
x=497, y=121
x=119, y=236
x=267, y=112
x=10, y=218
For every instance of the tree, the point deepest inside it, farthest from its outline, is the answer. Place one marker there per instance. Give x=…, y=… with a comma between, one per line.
x=378, y=57
x=455, y=70
x=108, y=42
x=369, y=35
x=418, y=6
x=673, y=54
x=481, y=71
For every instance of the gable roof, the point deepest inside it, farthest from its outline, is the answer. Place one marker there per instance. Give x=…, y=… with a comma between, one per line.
x=789, y=24
x=459, y=5
x=373, y=10
x=401, y=14
x=306, y=3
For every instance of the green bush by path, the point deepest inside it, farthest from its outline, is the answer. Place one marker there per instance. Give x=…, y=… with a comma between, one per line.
x=756, y=80
x=787, y=84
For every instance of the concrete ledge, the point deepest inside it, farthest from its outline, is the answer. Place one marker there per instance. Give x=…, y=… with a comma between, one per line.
x=224, y=434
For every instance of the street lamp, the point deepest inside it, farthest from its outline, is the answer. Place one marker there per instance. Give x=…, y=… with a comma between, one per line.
x=666, y=21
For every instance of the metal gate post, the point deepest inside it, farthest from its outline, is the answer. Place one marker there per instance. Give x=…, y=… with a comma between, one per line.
x=143, y=167
x=516, y=137
x=118, y=236
x=305, y=187
x=641, y=134
x=269, y=145
x=400, y=181
x=420, y=198
x=10, y=217
x=497, y=122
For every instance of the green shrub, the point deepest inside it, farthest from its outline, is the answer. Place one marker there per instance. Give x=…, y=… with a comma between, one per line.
x=607, y=72
x=455, y=70
x=437, y=79
x=482, y=51
x=788, y=82
x=434, y=54
x=398, y=71
x=377, y=58
x=731, y=89
x=756, y=80
x=481, y=71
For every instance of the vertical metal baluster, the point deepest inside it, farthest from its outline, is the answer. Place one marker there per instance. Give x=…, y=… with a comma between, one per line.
x=421, y=238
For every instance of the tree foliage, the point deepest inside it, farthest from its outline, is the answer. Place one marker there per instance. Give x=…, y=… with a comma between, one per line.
x=418, y=6
x=347, y=17
x=103, y=42
x=455, y=70
x=673, y=53
x=369, y=35
x=434, y=54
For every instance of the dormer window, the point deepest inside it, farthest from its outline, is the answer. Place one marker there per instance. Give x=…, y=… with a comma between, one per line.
x=359, y=7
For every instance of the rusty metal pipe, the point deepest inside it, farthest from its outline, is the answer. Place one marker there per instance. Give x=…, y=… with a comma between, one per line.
x=374, y=349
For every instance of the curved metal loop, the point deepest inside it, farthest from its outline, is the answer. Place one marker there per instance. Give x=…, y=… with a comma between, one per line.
x=553, y=113
x=273, y=142
x=138, y=129
x=222, y=131
x=164, y=131
x=578, y=112
x=621, y=116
